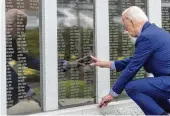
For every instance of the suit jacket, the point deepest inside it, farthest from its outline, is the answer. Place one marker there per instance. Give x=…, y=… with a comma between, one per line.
x=30, y=61
x=152, y=51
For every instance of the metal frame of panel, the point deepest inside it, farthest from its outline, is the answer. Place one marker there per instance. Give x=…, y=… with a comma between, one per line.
x=3, y=101
x=49, y=62
x=102, y=47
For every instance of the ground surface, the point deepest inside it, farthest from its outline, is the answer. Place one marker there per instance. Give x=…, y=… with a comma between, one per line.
x=31, y=107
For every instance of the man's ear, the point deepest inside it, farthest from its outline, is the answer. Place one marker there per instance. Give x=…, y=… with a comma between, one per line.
x=132, y=23
x=14, y=30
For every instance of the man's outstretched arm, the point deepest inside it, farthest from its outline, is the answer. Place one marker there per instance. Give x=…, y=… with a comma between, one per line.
x=120, y=65
x=143, y=50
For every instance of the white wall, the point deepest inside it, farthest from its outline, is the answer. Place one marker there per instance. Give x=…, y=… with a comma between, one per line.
x=3, y=103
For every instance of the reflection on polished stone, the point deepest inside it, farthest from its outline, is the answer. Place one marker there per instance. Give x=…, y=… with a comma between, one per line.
x=24, y=107
x=75, y=41
x=120, y=46
x=23, y=63
x=75, y=102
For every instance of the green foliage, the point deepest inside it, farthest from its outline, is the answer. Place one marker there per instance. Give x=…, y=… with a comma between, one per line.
x=37, y=90
x=34, y=77
x=67, y=39
x=32, y=38
x=81, y=85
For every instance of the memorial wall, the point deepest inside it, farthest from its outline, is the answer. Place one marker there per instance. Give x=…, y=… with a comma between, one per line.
x=75, y=36
x=22, y=54
x=75, y=40
x=120, y=45
x=166, y=15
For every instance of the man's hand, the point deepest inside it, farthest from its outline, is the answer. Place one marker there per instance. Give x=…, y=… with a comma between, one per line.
x=105, y=100
x=102, y=64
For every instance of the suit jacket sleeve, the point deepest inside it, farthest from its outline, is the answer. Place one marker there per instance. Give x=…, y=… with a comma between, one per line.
x=121, y=64
x=143, y=49
x=32, y=62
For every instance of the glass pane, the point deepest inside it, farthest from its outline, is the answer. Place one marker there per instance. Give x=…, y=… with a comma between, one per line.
x=166, y=15
x=75, y=41
x=120, y=46
x=23, y=65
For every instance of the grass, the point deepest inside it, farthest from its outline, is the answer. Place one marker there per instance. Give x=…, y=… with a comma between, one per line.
x=79, y=86
x=37, y=90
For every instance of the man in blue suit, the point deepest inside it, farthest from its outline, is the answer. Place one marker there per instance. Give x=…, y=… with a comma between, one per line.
x=152, y=51
x=12, y=51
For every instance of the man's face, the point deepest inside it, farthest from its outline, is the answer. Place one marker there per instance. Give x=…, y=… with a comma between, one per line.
x=13, y=31
x=129, y=26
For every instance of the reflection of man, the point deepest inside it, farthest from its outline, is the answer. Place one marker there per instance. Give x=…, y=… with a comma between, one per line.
x=81, y=63
x=13, y=32
x=152, y=50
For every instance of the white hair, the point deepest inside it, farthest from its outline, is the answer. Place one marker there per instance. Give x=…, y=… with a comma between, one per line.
x=11, y=16
x=135, y=13
x=12, y=22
